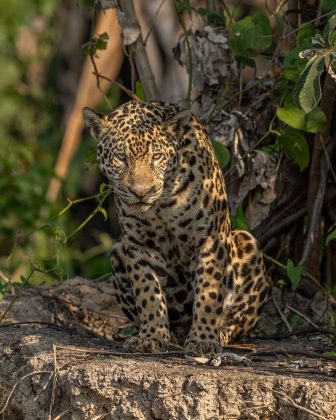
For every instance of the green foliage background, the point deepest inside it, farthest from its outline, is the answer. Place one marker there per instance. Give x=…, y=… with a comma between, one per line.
x=37, y=244
x=31, y=128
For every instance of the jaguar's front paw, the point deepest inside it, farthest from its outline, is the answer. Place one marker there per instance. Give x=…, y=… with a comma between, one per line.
x=139, y=344
x=203, y=347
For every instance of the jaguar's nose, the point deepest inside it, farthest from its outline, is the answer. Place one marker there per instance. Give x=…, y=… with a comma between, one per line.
x=140, y=190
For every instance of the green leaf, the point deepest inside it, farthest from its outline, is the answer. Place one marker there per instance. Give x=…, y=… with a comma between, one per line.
x=103, y=187
x=332, y=38
x=294, y=65
x=330, y=353
x=332, y=31
x=251, y=35
x=26, y=154
x=313, y=122
x=104, y=212
x=295, y=321
x=101, y=41
x=319, y=41
x=281, y=283
x=239, y=220
x=222, y=153
x=305, y=33
x=307, y=92
x=139, y=91
x=294, y=273
x=331, y=237
x=96, y=43
x=296, y=146
x=270, y=149
x=328, y=6
x=10, y=73
x=333, y=294
x=216, y=19
x=246, y=61
x=183, y=6
x=292, y=116
x=91, y=157
x=329, y=28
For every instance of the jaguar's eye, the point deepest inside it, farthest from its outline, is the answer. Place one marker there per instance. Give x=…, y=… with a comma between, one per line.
x=121, y=157
x=157, y=156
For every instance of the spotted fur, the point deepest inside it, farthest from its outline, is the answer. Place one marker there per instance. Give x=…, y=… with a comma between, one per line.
x=179, y=270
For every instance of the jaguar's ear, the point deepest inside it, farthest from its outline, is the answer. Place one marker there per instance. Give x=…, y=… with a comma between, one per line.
x=176, y=123
x=96, y=123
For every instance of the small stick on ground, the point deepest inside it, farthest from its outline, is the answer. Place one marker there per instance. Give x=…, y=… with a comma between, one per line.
x=285, y=398
x=117, y=353
x=45, y=386
x=40, y=372
x=54, y=383
x=60, y=415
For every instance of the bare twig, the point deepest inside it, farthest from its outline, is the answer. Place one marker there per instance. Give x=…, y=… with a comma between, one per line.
x=152, y=23
x=15, y=298
x=304, y=273
x=45, y=386
x=117, y=353
x=55, y=377
x=189, y=52
x=40, y=372
x=119, y=85
x=308, y=23
x=60, y=415
x=303, y=316
x=282, y=316
x=274, y=230
x=317, y=175
x=95, y=72
x=304, y=331
x=327, y=154
x=316, y=213
x=48, y=324
x=69, y=302
x=286, y=398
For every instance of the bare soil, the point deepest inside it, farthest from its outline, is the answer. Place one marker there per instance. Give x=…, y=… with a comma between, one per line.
x=71, y=368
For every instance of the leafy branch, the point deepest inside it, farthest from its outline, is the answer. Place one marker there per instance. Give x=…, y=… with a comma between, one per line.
x=307, y=92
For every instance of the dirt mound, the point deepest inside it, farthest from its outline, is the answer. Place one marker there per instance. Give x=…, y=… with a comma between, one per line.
x=66, y=372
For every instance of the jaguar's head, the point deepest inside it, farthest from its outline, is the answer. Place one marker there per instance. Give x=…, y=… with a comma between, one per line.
x=137, y=149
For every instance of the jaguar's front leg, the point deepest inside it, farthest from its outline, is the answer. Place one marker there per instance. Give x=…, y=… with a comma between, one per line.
x=147, y=273
x=211, y=271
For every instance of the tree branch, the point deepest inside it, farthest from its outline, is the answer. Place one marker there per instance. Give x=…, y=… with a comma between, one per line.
x=312, y=254
x=314, y=225
x=130, y=25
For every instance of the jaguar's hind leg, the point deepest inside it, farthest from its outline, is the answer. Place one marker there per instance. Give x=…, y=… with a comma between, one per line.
x=248, y=291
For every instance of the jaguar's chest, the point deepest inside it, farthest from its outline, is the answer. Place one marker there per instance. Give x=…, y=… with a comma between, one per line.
x=173, y=232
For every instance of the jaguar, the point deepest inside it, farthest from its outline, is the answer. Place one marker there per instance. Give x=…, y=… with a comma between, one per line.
x=180, y=272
